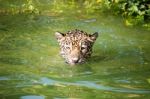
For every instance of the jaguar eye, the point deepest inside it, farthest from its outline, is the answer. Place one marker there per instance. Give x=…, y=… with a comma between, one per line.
x=82, y=48
x=67, y=47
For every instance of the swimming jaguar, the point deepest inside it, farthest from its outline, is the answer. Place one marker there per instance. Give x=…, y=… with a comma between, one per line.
x=76, y=45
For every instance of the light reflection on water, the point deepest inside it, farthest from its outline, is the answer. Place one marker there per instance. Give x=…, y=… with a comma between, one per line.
x=32, y=97
x=4, y=78
x=93, y=85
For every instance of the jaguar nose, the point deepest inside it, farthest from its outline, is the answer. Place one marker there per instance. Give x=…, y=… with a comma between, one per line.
x=75, y=60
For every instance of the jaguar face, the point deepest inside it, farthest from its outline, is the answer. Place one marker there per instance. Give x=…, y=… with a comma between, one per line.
x=75, y=45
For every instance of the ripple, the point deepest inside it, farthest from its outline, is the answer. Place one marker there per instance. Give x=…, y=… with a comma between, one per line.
x=90, y=20
x=4, y=78
x=93, y=85
x=108, y=88
x=32, y=97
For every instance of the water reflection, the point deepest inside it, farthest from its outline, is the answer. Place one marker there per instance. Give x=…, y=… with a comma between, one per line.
x=4, y=78
x=32, y=97
x=93, y=85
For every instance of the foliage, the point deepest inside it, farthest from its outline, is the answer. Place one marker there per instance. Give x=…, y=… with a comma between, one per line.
x=133, y=11
x=17, y=6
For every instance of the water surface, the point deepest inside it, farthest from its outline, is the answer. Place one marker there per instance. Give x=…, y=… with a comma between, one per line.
x=31, y=68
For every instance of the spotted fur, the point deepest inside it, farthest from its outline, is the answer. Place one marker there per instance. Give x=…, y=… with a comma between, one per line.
x=76, y=45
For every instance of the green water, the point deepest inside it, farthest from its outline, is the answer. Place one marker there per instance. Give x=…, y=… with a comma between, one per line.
x=31, y=68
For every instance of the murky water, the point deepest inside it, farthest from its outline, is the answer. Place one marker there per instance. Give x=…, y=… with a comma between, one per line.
x=31, y=68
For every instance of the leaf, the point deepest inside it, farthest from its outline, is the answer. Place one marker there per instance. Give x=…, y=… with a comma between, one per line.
x=128, y=23
x=141, y=12
x=148, y=80
x=134, y=8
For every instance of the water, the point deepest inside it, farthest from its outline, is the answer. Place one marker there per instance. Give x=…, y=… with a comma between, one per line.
x=31, y=68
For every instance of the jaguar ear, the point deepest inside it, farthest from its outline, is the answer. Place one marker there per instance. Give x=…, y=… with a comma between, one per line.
x=59, y=35
x=93, y=37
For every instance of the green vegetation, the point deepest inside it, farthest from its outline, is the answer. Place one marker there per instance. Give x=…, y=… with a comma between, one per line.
x=133, y=11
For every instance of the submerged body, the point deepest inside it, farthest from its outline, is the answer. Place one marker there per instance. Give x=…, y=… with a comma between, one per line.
x=76, y=45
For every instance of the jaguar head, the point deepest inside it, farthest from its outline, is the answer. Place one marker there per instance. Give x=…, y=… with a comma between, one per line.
x=76, y=46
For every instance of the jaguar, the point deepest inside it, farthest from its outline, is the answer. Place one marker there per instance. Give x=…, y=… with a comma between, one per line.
x=75, y=45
